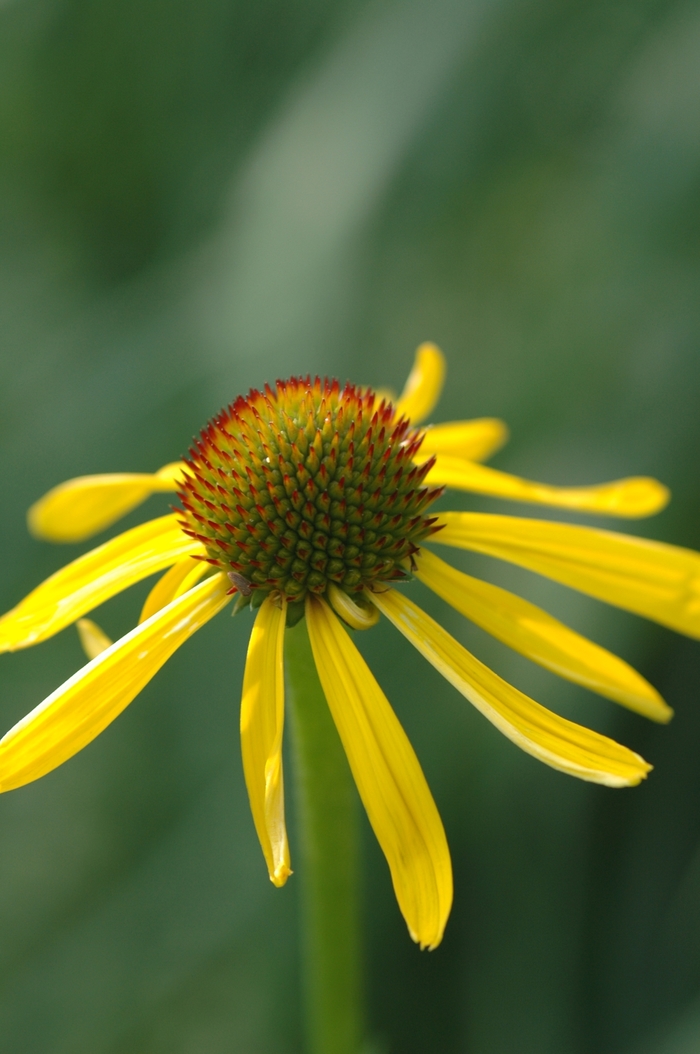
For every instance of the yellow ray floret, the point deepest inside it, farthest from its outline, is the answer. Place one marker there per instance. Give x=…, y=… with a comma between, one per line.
x=422, y=389
x=176, y=581
x=73, y=715
x=349, y=610
x=560, y=743
x=632, y=498
x=531, y=631
x=659, y=581
x=79, y=508
x=91, y=579
x=389, y=778
x=93, y=640
x=474, y=440
x=262, y=725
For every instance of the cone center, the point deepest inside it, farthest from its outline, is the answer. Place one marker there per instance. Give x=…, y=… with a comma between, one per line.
x=304, y=484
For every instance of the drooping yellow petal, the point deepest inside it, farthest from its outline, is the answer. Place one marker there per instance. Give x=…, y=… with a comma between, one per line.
x=93, y=640
x=659, y=581
x=262, y=724
x=566, y=746
x=181, y=577
x=531, y=631
x=424, y=384
x=73, y=715
x=81, y=507
x=389, y=778
x=91, y=579
x=474, y=440
x=632, y=498
x=352, y=613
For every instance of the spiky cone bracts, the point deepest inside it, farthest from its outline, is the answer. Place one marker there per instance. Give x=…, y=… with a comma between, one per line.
x=307, y=484
x=312, y=499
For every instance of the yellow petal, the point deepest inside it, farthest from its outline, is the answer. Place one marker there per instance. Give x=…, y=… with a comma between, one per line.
x=181, y=577
x=91, y=579
x=633, y=498
x=73, y=715
x=353, y=614
x=262, y=724
x=93, y=640
x=389, y=778
x=424, y=384
x=79, y=508
x=475, y=440
x=566, y=746
x=534, y=633
x=659, y=581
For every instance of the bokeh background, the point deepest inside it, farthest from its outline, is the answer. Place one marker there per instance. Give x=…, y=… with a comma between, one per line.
x=200, y=196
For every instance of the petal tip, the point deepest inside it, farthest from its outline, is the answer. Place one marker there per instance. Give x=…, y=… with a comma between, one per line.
x=93, y=639
x=428, y=942
x=636, y=778
x=643, y=496
x=39, y=525
x=432, y=944
x=280, y=875
x=656, y=710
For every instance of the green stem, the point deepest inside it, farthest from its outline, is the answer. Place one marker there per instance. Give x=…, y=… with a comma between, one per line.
x=329, y=868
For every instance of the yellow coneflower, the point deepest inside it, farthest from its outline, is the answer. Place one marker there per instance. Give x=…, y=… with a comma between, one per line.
x=311, y=500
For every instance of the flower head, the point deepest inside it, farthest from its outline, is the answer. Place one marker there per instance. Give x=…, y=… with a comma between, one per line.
x=308, y=499
x=307, y=485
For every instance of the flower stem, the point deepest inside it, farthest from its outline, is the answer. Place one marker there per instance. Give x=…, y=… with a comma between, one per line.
x=329, y=867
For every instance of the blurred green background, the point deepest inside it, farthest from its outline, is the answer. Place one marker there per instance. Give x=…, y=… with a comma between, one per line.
x=196, y=197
